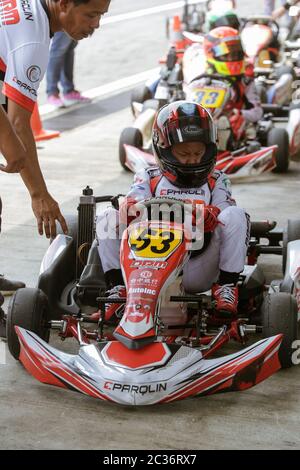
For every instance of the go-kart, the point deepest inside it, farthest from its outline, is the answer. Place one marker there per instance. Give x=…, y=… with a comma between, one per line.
x=274, y=68
x=266, y=149
x=163, y=346
x=193, y=17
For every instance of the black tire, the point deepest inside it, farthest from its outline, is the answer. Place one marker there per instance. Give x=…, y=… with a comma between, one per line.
x=279, y=315
x=140, y=95
x=28, y=308
x=129, y=136
x=291, y=234
x=278, y=136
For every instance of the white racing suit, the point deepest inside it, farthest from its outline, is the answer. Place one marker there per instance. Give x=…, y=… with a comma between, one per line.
x=227, y=247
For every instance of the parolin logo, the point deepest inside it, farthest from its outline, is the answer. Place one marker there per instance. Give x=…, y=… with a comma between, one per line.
x=139, y=389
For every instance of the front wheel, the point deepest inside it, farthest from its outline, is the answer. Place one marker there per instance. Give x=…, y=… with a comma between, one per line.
x=279, y=312
x=278, y=136
x=28, y=308
x=129, y=136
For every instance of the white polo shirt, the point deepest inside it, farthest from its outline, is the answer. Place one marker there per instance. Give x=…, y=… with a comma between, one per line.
x=24, y=48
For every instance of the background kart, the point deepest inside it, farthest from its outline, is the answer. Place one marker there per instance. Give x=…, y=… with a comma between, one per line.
x=262, y=151
x=276, y=69
x=148, y=359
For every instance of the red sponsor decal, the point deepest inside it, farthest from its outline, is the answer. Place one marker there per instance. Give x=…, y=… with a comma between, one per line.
x=9, y=12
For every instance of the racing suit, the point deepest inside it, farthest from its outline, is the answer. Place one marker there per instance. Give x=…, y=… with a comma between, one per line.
x=245, y=98
x=227, y=246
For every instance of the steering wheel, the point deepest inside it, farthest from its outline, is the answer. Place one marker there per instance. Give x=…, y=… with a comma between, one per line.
x=213, y=76
x=169, y=202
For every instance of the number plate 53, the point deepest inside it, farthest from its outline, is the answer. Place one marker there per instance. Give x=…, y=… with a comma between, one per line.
x=154, y=243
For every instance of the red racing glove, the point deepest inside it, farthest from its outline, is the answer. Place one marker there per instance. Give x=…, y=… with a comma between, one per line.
x=210, y=215
x=211, y=218
x=126, y=211
x=237, y=123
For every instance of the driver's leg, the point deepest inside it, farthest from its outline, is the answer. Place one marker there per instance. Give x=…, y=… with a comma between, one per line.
x=220, y=264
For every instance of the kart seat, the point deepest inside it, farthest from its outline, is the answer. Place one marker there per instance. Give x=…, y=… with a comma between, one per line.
x=92, y=275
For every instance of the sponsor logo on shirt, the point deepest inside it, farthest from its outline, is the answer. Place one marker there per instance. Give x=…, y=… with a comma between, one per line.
x=25, y=86
x=174, y=192
x=34, y=73
x=26, y=7
x=9, y=12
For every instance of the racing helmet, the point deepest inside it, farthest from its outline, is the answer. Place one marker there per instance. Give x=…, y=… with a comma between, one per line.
x=224, y=51
x=184, y=121
x=226, y=18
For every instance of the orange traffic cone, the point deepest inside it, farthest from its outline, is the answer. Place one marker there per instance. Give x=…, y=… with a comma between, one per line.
x=37, y=128
x=177, y=38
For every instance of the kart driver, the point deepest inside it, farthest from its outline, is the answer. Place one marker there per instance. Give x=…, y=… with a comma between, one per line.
x=225, y=56
x=25, y=31
x=184, y=143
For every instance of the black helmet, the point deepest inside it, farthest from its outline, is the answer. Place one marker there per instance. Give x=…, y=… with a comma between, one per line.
x=227, y=18
x=184, y=121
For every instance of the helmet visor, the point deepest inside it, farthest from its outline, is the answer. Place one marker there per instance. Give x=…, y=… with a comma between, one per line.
x=229, y=50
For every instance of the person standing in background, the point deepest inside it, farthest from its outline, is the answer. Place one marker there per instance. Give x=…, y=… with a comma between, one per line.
x=60, y=70
x=269, y=6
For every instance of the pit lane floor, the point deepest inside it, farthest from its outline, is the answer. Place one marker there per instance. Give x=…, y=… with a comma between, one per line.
x=37, y=416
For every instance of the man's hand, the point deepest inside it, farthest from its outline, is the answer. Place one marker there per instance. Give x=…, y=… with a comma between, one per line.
x=14, y=164
x=46, y=211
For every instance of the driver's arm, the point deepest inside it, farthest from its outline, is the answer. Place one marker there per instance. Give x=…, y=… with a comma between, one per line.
x=139, y=191
x=45, y=208
x=222, y=195
x=253, y=111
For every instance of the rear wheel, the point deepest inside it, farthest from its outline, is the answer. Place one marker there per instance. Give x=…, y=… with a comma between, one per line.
x=291, y=234
x=129, y=136
x=279, y=312
x=28, y=308
x=278, y=136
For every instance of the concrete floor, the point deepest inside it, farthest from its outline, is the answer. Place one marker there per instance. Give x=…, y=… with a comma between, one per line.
x=37, y=416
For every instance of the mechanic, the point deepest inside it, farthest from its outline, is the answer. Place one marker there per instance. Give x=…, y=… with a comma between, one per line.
x=184, y=143
x=225, y=56
x=25, y=31
x=14, y=154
